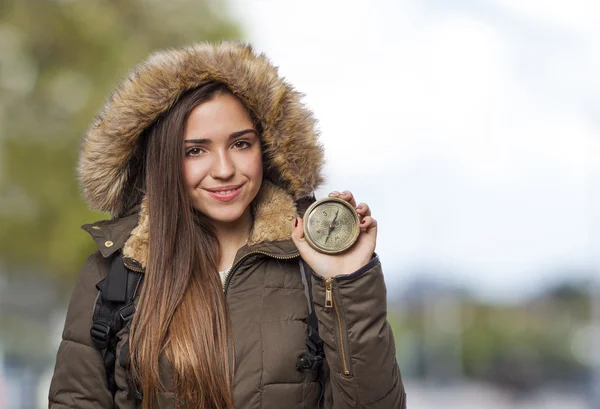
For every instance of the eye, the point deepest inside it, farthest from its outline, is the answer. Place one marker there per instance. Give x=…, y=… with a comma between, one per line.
x=193, y=151
x=242, y=144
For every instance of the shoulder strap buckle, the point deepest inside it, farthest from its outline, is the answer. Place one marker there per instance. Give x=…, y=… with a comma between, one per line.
x=126, y=313
x=100, y=333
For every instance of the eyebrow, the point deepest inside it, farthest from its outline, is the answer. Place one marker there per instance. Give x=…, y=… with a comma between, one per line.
x=232, y=136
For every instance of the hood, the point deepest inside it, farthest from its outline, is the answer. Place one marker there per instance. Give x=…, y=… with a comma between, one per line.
x=293, y=153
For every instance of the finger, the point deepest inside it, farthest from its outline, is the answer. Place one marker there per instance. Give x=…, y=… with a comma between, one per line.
x=368, y=225
x=363, y=210
x=345, y=195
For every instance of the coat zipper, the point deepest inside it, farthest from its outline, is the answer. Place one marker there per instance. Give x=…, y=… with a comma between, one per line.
x=329, y=303
x=245, y=256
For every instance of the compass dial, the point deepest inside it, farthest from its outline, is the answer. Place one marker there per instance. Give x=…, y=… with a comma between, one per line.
x=331, y=225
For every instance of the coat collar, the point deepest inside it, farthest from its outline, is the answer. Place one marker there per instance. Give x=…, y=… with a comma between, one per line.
x=111, y=235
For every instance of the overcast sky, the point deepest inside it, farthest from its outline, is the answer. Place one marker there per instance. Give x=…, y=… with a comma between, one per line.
x=470, y=127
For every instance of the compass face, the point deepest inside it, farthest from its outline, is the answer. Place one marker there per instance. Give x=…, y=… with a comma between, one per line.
x=331, y=225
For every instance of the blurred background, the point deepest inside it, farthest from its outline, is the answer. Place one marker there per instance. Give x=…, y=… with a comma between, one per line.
x=470, y=127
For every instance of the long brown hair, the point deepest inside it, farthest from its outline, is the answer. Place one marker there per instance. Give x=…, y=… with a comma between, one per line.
x=182, y=314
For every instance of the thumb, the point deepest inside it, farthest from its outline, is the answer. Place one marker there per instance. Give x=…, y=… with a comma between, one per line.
x=298, y=235
x=298, y=231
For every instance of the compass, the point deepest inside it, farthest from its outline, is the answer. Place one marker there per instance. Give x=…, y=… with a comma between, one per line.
x=331, y=225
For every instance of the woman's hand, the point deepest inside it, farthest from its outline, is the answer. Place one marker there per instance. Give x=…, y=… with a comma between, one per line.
x=331, y=265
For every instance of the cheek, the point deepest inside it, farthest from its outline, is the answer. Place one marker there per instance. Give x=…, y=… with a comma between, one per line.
x=254, y=166
x=253, y=169
x=258, y=165
x=193, y=173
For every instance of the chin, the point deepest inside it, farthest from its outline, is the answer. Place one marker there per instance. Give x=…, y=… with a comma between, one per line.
x=226, y=216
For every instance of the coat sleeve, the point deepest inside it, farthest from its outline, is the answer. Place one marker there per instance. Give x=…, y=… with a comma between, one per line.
x=79, y=379
x=358, y=341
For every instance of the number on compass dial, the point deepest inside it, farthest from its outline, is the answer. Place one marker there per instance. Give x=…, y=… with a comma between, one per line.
x=330, y=225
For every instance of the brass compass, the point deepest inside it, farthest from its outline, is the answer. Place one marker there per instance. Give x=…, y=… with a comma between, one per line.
x=331, y=225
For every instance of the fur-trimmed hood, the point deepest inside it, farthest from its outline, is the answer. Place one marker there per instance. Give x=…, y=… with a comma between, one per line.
x=293, y=153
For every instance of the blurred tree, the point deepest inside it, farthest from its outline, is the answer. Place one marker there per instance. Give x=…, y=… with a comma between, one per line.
x=59, y=59
x=520, y=346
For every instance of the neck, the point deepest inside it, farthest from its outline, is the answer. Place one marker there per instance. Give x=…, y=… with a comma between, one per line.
x=231, y=237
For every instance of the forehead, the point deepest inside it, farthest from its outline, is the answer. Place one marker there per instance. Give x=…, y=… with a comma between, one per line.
x=217, y=117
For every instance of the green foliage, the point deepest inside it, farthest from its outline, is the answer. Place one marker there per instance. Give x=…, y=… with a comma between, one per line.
x=59, y=59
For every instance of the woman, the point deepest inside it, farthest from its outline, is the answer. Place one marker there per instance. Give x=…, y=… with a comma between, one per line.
x=205, y=158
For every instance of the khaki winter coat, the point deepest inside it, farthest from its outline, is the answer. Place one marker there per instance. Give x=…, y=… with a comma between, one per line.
x=265, y=293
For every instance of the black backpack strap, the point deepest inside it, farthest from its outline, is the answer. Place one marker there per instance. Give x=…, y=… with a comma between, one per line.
x=312, y=359
x=134, y=393
x=113, y=310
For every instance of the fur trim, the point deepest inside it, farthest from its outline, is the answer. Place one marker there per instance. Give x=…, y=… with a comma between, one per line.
x=136, y=246
x=274, y=212
x=289, y=136
x=273, y=209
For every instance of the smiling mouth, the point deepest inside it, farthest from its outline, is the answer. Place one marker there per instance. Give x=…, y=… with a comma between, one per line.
x=225, y=193
x=224, y=189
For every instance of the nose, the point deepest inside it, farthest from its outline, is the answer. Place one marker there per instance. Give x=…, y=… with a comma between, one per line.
x=223, y=167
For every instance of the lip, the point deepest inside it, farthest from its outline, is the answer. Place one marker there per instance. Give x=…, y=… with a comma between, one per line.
x=221, y=188
x=215, y=192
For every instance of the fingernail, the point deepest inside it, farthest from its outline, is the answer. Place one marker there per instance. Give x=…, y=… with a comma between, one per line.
x=296, y=225
x=334, y=194
x=345, y=192
x=362, y=222
x=359, y=207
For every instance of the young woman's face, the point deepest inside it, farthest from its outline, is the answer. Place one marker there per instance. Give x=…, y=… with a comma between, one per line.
x=222, y=165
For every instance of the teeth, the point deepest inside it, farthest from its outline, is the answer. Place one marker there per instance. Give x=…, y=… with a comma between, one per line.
x=225, y=192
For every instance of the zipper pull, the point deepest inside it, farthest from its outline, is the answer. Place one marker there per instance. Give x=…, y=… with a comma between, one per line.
x=328, y=293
